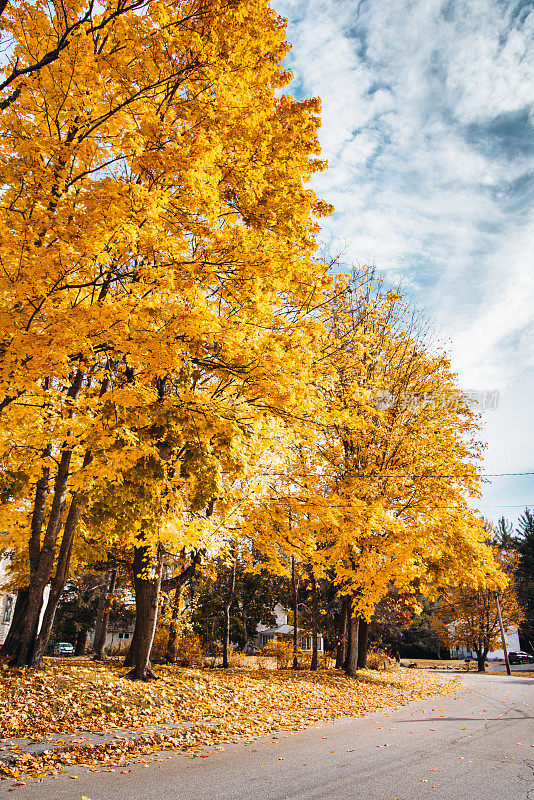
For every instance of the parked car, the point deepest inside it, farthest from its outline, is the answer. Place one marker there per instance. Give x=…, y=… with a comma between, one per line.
x=520, y=658
x=65, y=649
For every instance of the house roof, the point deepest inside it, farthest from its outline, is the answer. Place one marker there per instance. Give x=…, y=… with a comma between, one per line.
x=279, y=629
x=284, y=630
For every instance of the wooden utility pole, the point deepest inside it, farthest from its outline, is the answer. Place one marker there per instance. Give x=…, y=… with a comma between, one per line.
x=501, y=626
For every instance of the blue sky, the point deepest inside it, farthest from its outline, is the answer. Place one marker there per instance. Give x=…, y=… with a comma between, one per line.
x=428, y=130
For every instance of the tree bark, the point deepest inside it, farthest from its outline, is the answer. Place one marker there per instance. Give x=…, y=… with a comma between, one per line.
x=135, y=655
x=147, y=591
x=349, y=635
x=170, y=653
x=315, y=622
x=12, y=640
x=36, y=525
x=342, y=646
x=102, y=618
x=294, y=585
x=227, y=607
x=363, y=629
x=353, y=649
x=132, y=654
x=81, y=639
x=481, y=659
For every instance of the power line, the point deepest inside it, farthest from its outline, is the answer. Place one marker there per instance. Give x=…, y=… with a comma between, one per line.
x=501, y=474
x=404, y=475
x=518, y=505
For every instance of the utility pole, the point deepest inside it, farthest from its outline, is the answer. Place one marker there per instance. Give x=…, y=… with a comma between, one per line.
x=505, y=650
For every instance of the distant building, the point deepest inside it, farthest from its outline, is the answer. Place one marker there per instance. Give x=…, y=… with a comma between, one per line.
x=512, y=643
x=283, y=630
x=7, y=599
x=118, y=638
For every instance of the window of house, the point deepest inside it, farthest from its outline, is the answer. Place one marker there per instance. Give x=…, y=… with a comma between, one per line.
x=8, y=608
x=124, y=635
x=306, y=643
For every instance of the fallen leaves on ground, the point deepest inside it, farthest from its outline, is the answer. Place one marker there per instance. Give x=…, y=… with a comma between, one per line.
x=195, y=707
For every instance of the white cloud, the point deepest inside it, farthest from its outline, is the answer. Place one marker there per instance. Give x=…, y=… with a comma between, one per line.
x=426, y=105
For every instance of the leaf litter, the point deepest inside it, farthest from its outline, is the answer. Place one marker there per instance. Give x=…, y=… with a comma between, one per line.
x=186, y=709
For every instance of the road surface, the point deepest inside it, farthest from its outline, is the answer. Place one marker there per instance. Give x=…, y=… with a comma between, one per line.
x=478, y=745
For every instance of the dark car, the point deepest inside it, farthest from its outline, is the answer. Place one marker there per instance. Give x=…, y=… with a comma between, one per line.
x=520, y=658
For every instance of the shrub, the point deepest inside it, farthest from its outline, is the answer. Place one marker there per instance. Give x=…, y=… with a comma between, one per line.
x=159, y=645
x=379, y=659
x=189, y=652
x=282, y=651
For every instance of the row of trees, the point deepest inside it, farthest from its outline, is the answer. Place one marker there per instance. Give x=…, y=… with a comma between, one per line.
x=226, y=600
x=181, y=377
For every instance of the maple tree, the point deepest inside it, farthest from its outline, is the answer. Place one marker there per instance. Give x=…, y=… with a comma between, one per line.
x=374, y=494
x=403, y=478
x=157, y=245
x=466, y=616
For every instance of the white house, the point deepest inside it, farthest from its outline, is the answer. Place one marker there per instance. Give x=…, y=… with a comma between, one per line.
x=511, y=638
x=118, y=638
x=283, y=630
x=7, y=599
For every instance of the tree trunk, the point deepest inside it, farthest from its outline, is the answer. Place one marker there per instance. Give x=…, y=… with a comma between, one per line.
x=226, y=637
x=59, y=580
x=294, y=584
x=146, y=604
x=102, y=618
x=81, y=639
x=245, y=628
x=227, y=607
x=42, y=560
x=481, y=659
x=170, y=654
x=315, y=622
x=132, y=654
x=363, y=629
x=166, y=585
x=12, y=639
x=342, y=646
x=36, y=526
x=353, y=649
x=349, y=635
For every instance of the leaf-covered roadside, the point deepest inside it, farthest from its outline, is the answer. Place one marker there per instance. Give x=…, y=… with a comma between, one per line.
x=224, y=706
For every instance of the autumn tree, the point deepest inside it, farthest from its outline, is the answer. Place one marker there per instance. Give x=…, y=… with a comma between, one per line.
x=371, y=493
x=157, y=245
x=466, y=616
x=53, y=26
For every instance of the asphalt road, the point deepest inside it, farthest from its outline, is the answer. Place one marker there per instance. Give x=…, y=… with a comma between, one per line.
x=478, y=745
x=501, y=667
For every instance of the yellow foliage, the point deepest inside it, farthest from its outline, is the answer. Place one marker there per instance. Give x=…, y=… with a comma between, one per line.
x=466, y=615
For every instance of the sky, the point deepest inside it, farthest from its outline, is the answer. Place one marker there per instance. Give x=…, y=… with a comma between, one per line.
x=427, y=125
